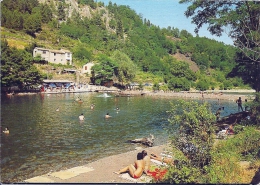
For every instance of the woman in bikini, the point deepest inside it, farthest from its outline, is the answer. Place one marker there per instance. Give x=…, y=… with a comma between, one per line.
x=135, y=170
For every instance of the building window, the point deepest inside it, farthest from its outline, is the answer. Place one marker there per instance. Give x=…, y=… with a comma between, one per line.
x=86, y=67
x=55, y=59
x=68, y=54
x=44, y=52
x=54, y=54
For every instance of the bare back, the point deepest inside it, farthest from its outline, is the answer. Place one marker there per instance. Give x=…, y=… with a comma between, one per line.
x=139, y=165
x=147, y=162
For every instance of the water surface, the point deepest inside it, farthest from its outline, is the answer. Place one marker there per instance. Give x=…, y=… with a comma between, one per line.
x=42, y=140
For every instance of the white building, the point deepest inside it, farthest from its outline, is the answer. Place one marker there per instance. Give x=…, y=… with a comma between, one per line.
x=54, y=56
x=87, y=68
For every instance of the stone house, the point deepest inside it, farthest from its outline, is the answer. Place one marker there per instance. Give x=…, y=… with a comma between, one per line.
x=62, y=56
x=87, y=68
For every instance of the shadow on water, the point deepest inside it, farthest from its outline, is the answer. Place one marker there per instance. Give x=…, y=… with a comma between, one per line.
x=42, y=139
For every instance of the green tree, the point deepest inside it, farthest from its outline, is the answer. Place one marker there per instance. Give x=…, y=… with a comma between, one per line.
x=61, y=12
x=241, y=20
x=119, y=29
x=46, y=13
x=126, y=68
x=17, y=67
x=32, y=24
x=191, y=129
x=104, y=70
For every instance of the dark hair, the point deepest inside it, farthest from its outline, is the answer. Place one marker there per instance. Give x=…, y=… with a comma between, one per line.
x=144, y=153
x=139, y=156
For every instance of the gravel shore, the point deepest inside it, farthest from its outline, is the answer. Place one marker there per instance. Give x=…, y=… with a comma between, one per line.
x=231, y=95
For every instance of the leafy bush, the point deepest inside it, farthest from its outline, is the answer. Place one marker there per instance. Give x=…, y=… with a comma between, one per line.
x=224, y=167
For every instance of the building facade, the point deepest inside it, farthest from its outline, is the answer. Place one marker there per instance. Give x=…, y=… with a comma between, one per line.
x=54, y=56
x=87, y=68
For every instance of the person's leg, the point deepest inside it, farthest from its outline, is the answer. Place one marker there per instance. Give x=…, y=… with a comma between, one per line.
x=122, y=170
x=131, y=169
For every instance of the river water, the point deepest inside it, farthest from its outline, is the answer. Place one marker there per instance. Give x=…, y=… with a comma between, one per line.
x=42, y=139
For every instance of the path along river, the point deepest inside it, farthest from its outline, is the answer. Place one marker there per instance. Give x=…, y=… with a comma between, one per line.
x=42, y=139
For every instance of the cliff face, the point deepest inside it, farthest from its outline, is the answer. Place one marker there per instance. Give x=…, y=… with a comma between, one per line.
x=83, y=10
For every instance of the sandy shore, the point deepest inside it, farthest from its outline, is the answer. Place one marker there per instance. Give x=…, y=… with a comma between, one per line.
x=101, y=170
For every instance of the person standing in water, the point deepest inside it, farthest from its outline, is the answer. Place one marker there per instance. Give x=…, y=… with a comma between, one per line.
x=81, y=117
x=239, y=104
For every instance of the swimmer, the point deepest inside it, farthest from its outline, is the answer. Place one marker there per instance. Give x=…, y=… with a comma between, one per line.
x=81, y=117
x=107, y=115
x=6, y=131
x=58, y=109
x=92, y=106
x=80, y=101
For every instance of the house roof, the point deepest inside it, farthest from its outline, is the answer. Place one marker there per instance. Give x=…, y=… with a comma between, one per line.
x=57, y=81
x=62, y=51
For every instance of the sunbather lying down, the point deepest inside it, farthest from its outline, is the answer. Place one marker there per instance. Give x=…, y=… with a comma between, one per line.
x=164, y=159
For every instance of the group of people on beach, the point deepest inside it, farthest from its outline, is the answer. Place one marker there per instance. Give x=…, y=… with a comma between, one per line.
x=143, y=164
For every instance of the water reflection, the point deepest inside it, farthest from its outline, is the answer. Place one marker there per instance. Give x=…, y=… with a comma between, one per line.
x=42, y=139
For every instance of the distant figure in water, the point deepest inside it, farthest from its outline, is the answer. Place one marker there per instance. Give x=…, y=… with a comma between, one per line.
x=92, y=106
x=81, y=117
x=239, y=104
x=6, y=130
x=58, y=109
x=218, y=114
x=117, y=109
x=77, y=99
x=107, y=115
x=80, y=101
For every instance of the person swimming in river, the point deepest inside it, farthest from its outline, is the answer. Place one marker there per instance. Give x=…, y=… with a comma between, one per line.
x=107, y=116
x=6, y=130
x=80, y=101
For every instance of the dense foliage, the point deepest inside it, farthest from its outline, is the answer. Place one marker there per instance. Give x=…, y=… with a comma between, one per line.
x=199, y=156
x=17, y=68
x=240, y=19
x=146, y=49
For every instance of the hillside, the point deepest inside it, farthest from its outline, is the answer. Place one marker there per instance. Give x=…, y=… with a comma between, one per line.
x=129, y=48
x=193, y=66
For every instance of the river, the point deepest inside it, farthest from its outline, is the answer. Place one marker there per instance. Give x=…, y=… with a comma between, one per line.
x=43, y=140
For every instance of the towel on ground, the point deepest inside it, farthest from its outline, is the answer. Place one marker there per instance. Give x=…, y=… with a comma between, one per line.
x=157, y=173
x=142, y=179
x=158, y=162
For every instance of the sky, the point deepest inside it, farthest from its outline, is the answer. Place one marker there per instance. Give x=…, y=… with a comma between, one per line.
x=164, y=13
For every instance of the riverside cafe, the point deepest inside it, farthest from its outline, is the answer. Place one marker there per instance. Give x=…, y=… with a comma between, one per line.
x=57, y=85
